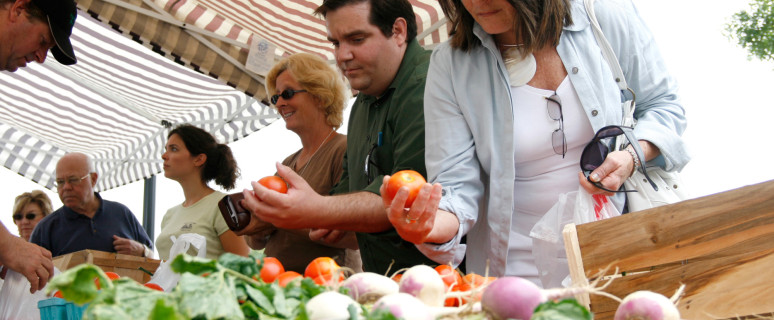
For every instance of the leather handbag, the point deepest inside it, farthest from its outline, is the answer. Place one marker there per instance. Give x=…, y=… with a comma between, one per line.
x=668, y=187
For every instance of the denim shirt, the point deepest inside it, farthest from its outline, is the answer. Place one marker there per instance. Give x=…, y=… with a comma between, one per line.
x=469, y=122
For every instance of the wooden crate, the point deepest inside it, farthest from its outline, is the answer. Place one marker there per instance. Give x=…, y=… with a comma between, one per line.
x=720, y=246
x=122, y=264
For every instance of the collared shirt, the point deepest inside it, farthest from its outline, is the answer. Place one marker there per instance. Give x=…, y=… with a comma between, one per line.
x=65, y=231
x=469, y=121
x=397, y=117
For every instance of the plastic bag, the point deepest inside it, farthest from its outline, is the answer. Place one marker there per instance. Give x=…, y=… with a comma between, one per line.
x=547, y=243
x=16, y=301
x=164, y=276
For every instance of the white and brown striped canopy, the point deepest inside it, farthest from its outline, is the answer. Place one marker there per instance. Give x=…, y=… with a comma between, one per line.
x=115, y=102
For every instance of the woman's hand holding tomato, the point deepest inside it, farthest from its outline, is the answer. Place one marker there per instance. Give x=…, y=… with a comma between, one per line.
x=415, y=222
x=288, y=210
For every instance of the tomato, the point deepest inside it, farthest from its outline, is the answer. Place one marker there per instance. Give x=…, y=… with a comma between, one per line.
x=472, y=281
x=58, y=294
x=408, y=178
x=274, y=183
x=153, y=286
x=287, y=276
x=449, y=276
x=397, y=277
x=111, y=275
x=270, y=269
x=453, y=302
x=321, y=266
x=328, y=279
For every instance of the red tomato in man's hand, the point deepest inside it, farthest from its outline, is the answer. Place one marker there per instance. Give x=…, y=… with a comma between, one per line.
x=275, y=183
x=408, y=178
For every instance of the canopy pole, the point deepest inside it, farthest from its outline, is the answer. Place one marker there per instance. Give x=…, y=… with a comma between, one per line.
x=149, y=205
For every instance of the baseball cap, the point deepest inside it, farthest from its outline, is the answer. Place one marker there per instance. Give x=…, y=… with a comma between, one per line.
x=61, y=19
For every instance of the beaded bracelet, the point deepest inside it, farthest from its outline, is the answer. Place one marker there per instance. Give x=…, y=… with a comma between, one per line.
x=636, y=159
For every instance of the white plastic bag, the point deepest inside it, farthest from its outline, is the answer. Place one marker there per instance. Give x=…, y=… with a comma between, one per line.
x=164, y=276
x=547, y=243
x=16, y=301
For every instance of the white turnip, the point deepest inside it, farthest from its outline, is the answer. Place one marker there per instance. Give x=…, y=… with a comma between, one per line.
x=329, y=305
x=516, y=298
x=648, y=305
x=364, y=286
x=424, y=283
x=512, y=298
x=404, y=306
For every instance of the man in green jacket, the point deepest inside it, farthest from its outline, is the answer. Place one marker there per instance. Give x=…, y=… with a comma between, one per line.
x=376, y=49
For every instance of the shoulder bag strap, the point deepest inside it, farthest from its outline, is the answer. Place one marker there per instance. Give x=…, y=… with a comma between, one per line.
x=615, y=67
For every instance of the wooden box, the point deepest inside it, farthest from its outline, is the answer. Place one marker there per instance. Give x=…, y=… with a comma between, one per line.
x=720, y=246
x=122, y=264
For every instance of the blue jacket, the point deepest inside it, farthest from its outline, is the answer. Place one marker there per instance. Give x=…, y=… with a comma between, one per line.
x=469, y=122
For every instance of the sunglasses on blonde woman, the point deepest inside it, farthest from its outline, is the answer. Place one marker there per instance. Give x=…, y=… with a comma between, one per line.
x=287, y=94
x=28, y=216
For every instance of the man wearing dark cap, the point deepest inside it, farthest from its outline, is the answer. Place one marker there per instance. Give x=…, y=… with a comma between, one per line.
x=28, y=29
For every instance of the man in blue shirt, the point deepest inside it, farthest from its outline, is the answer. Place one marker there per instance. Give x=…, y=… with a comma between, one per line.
x=86, y=221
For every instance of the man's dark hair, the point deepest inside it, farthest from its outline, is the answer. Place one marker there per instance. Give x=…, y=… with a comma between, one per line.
x=383, y=14
x=31, y=8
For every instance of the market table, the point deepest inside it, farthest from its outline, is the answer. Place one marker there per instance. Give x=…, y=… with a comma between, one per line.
x=720, y=246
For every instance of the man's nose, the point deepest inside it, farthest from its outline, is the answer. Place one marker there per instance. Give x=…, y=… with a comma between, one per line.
x=40, y=55
x=343, y=53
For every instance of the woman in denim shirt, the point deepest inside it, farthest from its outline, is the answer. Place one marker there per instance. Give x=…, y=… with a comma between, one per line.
x=502, y=143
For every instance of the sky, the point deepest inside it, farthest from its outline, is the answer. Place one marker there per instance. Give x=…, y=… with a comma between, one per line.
x=725, y=95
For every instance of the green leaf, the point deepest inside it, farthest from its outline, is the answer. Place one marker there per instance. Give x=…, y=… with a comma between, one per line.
x=244, y=265
x=105, y=312
x=567, y=309
x=260, y=299
x=280, y=305
x=135, y=299
x=185, y=263
x=379, y=314
x=211, y=297
x=250, y=310
x=164, y=311
x=77, y=284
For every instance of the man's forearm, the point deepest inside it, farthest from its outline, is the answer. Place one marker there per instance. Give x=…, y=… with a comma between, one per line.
x=361, y=211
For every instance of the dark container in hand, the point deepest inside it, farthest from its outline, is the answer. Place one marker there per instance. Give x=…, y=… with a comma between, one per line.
x=237, y=217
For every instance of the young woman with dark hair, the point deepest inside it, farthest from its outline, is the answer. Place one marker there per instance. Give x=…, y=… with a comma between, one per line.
x=193, y=158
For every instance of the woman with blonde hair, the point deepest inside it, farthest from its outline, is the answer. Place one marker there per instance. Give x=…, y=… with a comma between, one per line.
x=28, y=209
x=310, y=96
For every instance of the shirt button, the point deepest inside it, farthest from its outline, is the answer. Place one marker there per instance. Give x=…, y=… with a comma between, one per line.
x=594, y=113
x=574, y=70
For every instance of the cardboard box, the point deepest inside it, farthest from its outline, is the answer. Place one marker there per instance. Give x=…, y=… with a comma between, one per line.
x=122, y=264
x=720, y=246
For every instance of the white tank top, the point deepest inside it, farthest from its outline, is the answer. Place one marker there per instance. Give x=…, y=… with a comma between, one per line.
x=541, y=174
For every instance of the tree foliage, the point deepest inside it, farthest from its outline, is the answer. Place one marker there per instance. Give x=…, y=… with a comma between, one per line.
x=754, y=29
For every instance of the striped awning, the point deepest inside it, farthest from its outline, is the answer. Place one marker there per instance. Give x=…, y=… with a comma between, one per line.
x=115, y=104
x=214, y=36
